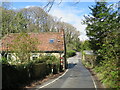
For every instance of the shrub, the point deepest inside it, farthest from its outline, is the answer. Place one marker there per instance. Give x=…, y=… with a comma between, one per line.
x=3, y=60
x=18, y=74
x=15, y=76
x=108, y=74
x=46, y=59
x=51, y=61
x=71, y=53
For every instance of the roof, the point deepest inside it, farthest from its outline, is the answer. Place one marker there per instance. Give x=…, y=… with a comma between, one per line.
x=48, y=41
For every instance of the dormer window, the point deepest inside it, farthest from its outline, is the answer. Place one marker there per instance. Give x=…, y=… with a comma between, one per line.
x=51, y=41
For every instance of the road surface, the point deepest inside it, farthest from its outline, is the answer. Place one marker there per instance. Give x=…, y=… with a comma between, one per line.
x=77, y=76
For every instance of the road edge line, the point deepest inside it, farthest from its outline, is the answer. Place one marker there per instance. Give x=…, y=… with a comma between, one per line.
x=54, y=80
x=94, y=82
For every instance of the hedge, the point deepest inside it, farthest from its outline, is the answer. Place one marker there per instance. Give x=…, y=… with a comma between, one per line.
x=71, y=53
x=15, y=76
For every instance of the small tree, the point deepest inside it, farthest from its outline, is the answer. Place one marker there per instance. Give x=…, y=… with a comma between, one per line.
x=22, y=46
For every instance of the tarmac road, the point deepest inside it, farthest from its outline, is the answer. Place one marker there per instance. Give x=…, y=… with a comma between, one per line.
x=77, y=76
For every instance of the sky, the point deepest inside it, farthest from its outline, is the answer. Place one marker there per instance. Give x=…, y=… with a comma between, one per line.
x=73, y=13
x=70, y=12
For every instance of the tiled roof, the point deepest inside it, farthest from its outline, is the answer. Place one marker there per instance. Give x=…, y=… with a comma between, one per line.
x=48, y=41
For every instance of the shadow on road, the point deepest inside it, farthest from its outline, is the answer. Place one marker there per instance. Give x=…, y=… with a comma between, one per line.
x=71, y=65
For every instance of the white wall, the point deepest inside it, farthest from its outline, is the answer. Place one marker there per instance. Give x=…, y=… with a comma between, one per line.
x=35, y=55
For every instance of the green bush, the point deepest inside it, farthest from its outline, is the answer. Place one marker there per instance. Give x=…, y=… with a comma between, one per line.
x=71, y=53
x=108, y=74
x=107, y=71
x=3, y=60
x=18, y=74
x=38, y=70
x=14, y=76
x=47, y=59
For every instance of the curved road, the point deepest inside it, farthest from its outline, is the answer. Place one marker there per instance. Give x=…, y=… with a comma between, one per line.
x=77, y=76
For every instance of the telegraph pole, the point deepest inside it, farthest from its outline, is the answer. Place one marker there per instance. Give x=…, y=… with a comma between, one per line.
x=65, y=50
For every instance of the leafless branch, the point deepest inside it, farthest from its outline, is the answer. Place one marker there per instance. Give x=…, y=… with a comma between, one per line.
x=46, y=5
x=49, y=5
x=60, y=2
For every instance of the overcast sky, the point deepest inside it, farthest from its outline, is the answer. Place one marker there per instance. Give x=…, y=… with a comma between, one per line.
x=69, y=12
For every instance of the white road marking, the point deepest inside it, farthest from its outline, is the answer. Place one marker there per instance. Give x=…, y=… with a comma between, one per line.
x=94, y=83
x=53, y=80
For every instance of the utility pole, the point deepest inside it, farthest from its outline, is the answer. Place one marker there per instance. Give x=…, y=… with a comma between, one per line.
x=64, y=49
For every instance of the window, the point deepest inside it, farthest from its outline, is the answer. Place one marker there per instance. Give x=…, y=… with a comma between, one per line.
x=34, y=56
x=51, y=41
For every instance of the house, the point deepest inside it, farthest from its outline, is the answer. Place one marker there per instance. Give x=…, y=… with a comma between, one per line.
x=51, y=43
